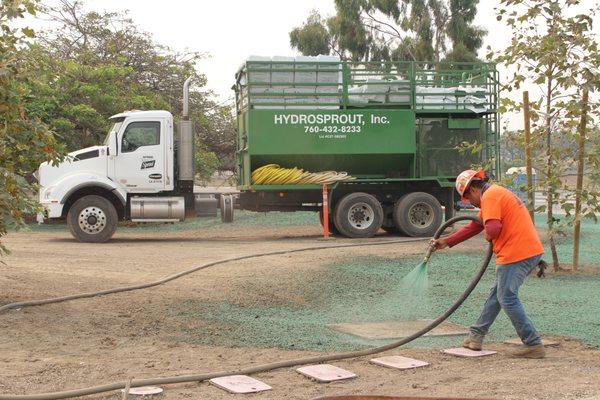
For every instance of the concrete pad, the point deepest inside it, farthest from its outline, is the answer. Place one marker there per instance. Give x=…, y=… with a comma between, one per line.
x=545, y=342
x=144, y=391
x=398, y=329
x=325, y=373
x=240, y=384
x=399, y=362
x=462, y=352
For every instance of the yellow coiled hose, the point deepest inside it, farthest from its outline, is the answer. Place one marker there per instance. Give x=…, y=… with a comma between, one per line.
x=273, y=174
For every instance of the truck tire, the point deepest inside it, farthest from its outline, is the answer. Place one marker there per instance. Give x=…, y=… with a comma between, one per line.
x=92, y=219
x=418, y=214
x=358, y=215
x=332, y=229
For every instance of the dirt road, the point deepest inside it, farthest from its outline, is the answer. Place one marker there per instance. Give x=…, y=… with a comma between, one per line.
x=140, y=334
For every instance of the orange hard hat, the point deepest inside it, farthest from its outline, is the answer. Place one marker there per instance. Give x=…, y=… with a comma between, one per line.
x=464, y=179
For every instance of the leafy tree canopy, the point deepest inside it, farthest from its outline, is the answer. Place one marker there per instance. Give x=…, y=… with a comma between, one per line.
x=393, y=29
x=25, y=141
x=96, y=64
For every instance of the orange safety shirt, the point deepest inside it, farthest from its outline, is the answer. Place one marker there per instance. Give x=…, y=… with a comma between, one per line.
x=518, y=239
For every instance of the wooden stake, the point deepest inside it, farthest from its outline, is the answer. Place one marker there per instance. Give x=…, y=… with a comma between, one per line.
x=528, y=169
x=580, y=167
x=125, y=394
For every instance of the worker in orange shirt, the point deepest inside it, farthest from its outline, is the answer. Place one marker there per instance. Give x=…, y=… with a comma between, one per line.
x=518, y=249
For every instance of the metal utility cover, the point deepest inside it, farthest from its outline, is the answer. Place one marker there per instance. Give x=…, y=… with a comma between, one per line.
x=399, y=362
x=545, y=342
x=325, y=373
x=462, y=352
x=240, y=384
x=398, y=329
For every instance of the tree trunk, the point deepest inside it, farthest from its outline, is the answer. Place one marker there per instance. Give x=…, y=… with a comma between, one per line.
x=550, y=176
x=580, y=168
x=528, y=168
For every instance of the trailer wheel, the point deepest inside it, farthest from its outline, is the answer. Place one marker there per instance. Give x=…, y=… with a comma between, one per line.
x=226, y=206
x=332, y=229
x=418, y=214
x=358, y=215
x=92, y=219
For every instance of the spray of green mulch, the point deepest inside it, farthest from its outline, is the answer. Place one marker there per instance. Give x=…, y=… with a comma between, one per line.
x=417, y=280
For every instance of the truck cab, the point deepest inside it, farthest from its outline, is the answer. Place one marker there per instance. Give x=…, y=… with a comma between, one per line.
x=132, y=175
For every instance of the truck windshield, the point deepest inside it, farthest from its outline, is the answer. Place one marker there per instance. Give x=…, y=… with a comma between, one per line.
x=115, y=128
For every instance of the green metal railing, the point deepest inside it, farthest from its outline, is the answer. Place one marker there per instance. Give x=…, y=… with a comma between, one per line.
x=447, y=87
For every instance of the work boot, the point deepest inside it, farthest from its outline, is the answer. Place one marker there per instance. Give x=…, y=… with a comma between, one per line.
x=537, y=351
x=472, y=343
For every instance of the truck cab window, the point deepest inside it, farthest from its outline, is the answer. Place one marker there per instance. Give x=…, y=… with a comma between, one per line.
x=139, y=134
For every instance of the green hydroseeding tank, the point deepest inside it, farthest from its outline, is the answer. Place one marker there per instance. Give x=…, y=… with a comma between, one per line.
x=397, y=127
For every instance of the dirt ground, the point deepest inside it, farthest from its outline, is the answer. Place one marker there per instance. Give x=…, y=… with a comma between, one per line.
x=136, y=335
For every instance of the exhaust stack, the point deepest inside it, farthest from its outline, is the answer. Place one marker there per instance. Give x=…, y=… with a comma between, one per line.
x=186, y=143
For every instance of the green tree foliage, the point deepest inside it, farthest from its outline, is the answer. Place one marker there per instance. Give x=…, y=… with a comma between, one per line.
x=25, y=141
x=206, y=164
x=393, y=30
x=96, y=64
x=312, y=38
x=554, y=48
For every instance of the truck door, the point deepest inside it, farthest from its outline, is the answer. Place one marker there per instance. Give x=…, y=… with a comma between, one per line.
x=140, y=163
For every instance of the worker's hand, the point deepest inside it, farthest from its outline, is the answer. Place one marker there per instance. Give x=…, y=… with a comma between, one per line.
x=438, y=244
x=486, y=236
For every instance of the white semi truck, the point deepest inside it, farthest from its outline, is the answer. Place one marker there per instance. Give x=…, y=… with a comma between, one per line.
x=395, y=130
x=143, y=172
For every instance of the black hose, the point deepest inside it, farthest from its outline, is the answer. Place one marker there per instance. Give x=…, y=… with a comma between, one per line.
x=279, y=364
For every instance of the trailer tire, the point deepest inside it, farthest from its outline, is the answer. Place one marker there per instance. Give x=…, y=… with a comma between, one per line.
x=332, y=228
x=358, y=215
x=418, y=214
x=92, y=219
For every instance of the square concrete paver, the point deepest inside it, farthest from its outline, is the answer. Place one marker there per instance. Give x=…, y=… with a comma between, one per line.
x=398, y=329
x=325, y=373
x=399, y=362
x=240, y=384
x=462, y=352
x=545, y=342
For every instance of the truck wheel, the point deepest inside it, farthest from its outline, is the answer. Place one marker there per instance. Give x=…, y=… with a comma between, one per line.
x=92, y=219
x=418, y=214
x=332, y=229
x=226, y=206
x=358, y=215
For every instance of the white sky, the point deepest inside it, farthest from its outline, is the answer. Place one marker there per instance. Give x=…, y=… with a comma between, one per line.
x=231, y=30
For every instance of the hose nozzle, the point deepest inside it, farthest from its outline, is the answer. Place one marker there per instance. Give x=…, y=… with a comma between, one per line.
x=430, y=250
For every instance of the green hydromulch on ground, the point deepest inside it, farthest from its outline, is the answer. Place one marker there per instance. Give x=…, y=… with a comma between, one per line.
x=371, y=290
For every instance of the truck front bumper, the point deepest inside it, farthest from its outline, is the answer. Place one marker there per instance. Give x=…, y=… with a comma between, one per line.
x=52, y=209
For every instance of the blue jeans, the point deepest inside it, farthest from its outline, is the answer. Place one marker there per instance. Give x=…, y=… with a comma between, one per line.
x=505, y=295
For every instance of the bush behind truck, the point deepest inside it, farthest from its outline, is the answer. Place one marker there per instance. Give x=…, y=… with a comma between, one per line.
x=395, y=127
